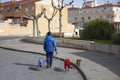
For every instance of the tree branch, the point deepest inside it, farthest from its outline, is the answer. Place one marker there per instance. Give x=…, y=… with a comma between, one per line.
x=54, y=5
x=54, y=13
x=45, y=16
x=40, y=14
x=68, y=4
x=28, y=15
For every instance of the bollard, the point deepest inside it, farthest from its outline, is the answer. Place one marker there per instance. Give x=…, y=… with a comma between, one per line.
x=78, y=62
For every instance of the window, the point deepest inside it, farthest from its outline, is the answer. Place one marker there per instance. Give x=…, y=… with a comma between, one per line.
x=75, y=18
x=91, y=10
x=26, y=9
x=17, y=9
x=82, y=18
x=79, y=12
x=101, y=16
x=115, y=16
x=108, y=16
x=32, y=7
x=110, y=9
x=116, y=9
x=112, y=16
x=104, y=8
x=9, y=9
x=1, y=10
x=1, y=15
x=84, y=11
x=89, y=17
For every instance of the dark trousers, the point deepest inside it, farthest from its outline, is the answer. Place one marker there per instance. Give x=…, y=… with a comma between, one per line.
x=49, y=58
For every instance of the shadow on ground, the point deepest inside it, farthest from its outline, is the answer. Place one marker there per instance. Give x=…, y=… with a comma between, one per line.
x=30, y=66
x=58, y=69
x=103, y=59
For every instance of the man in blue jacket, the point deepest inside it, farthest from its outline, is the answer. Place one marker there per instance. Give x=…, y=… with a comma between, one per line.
x=49, y=47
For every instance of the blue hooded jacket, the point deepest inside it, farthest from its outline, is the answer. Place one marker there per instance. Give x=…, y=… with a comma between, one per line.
x=49, y=44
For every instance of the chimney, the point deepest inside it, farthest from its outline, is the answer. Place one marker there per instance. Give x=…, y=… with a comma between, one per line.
x=13, y=0
x=118, y=3
x=95, y=2
x=108, y=2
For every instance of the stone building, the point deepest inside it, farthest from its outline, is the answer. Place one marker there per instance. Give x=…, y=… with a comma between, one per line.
x=108, y=11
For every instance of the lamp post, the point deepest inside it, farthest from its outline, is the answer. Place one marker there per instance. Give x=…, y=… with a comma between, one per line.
x=81, y=29
x=74, y=28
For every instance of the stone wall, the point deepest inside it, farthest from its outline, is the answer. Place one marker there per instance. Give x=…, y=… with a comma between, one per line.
x=107, y=48
x=81, y=44
x=78, y=44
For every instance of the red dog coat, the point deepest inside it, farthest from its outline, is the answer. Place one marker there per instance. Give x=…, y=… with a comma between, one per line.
x=67, y=63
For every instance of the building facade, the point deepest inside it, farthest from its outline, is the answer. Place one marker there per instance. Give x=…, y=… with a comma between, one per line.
x=73, y=19
x=16, y=11
x=109, y=11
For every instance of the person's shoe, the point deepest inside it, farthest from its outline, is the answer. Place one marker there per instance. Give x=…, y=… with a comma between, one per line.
x=51, y=67
x=47, y=66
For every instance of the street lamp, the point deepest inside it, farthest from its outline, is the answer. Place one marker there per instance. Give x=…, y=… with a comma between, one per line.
x=81, y=28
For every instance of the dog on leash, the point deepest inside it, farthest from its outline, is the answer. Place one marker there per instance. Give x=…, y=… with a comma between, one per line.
x=40, y=63
x=67, y=64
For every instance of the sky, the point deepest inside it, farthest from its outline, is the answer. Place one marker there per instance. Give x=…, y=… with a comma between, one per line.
x=78, y=3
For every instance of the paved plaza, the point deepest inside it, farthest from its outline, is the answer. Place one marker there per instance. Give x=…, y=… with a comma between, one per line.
x=95, y=66
x=23, y=66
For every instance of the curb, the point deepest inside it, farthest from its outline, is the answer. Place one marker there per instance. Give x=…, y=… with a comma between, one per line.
x=78, y=69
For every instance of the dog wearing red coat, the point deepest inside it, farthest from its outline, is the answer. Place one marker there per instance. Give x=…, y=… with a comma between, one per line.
x=67, y=64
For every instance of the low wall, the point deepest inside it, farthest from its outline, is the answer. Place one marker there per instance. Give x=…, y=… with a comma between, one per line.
x=81, y=44
x=78, y=44
x=107, y=48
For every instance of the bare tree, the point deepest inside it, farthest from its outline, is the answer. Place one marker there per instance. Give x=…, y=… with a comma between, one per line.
x=61, y=5
x=35, y=21
x=49, y=19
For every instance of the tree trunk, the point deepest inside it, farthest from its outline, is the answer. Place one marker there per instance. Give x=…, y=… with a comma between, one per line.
x=33, y=28
x=49, y=26
x=60, y=24
x=37, y=28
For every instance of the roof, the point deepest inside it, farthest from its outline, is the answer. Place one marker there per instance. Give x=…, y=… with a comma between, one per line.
x=100, y=6
x=116, y=22
x=28, y=1
x=18, y=2
x=73, y=8
x=89, y=2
